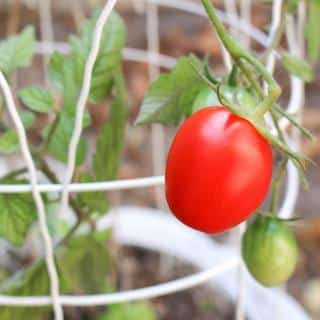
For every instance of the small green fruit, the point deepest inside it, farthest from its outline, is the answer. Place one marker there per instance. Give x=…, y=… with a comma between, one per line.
x=269, y=250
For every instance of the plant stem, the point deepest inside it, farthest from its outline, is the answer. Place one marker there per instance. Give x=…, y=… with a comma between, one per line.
x=14, y=173
x=237, y=53
x=69, y=234
x=276, y=185
x=44, y=147
x=52, y=177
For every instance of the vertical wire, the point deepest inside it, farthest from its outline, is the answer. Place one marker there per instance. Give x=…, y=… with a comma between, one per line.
x=48, y=245
x=245, y=14
x=46, y=30
x=157, y=131
x=81, y=103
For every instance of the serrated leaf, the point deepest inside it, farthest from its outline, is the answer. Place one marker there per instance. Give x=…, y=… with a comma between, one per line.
x=9, y=142
x=86, y=263
x=298, y=67
x=95, y=201
x=171, y=96
x=37, y=99
x=312, y=30
x=110, y=140
x=17, y=213
x=17, y=51
x=27, y=118
x=109, y=57
x=129, y=311
x=66, y=72
x=33, y=281
x=60, y=140
x=55, y=70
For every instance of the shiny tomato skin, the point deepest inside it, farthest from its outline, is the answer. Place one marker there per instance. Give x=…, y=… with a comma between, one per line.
x=218, y=171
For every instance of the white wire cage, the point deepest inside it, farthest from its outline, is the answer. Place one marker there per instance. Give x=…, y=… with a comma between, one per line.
x=239, y=24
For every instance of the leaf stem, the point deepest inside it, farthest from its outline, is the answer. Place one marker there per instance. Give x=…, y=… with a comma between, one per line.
x=14, y=173
x=276, y=185
x=237, y=53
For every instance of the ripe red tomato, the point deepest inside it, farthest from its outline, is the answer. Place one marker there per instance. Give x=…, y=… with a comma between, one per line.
x=218, y=170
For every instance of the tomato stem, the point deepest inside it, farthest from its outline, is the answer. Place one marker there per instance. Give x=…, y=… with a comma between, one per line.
x=237, y=53
x=276, y=185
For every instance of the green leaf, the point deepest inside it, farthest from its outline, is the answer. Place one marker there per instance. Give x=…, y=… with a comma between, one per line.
x=298, y=67
x=86, y=263
x=55, y=70
x=129, y=311
x=109, y=57
x=65, y=73
x=17, y=51
x=205, y=98
x=292, y=5
x=37, y=99
x=27, y=118
x=17, y=213
x=60, y=140
x=95, y=201
x=312, y=30
x=110, y=140
x=9, y=142
x=33, y=281
x=171, y=96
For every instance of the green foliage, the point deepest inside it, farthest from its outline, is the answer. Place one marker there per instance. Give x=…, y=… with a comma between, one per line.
x=109, y=57
x=95, y=201
x=17, y=213
x=37, y=99
x=110, y=140
x=60, y=139
x=17, y=51
x=9, y=142
x=171, y=96
x=33, y=281
x=66, y=71
x=298, y=67
x=292, y=5
x=86, y=263
x=312, y=30
x=129, y=311
x=27, y=118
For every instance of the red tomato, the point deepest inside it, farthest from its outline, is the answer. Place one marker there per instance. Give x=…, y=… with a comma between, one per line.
x=218, y=171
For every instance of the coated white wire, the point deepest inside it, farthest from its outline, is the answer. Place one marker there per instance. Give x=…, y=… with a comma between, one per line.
x=130, y=54
x=157, y=130
x=49, y=255
x=245, y=13
x=130, y=295
x=81, y=104
x=123, y=184
x=46, y=28
x=195, y=8
x=296, y=45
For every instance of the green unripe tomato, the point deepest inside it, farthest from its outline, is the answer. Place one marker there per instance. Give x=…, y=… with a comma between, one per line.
x=269, y=250
x=206, y=98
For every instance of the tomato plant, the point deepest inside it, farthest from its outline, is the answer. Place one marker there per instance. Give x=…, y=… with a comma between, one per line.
x=218, y=170
x=219, y=166
x=269, y=250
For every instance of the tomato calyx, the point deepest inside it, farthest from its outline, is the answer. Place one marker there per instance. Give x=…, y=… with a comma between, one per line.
x=244, y=100
x=273, y=216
